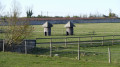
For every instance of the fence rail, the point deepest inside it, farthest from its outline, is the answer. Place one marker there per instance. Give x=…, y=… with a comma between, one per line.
x=86, y=41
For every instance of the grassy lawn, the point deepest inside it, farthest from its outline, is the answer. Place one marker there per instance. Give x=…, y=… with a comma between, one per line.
x=8, y=59
x=92, y=55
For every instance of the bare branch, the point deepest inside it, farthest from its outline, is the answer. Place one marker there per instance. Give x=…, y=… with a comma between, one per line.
x=17, y=29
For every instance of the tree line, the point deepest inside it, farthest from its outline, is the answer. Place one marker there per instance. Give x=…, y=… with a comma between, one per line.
x=29, y=14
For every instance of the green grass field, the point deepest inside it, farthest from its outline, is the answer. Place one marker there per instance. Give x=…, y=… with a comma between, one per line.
x=91, y=55
x=8, y=59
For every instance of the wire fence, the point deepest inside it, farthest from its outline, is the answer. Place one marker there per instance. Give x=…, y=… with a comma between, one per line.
x=92, y=48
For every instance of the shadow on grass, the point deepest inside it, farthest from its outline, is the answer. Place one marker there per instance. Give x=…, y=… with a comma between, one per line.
x=46, y=51
x=39, y=51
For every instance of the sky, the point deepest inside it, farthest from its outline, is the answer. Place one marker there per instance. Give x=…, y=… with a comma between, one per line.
x=64, y=7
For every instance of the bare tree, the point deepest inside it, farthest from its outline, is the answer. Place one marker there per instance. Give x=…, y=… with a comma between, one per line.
x=1, y=9
x=17, y=29
x=1, y=17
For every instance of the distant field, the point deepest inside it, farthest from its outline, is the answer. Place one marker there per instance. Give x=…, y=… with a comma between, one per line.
x=82, y=29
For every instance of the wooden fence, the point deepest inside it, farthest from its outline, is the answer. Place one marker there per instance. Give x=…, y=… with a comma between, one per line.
x=77, y=40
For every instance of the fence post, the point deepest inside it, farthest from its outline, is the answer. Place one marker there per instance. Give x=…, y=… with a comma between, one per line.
x=103, y=40
x=63, y=32
x=91, y=40
x=113, y=40
x=25, y=47
x=79, y=48
x=51, y=47
x=3, y=46
x=66, y=42
x=109, y=55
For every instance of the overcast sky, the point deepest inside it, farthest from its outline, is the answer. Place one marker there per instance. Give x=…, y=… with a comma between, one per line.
x=65, y=7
